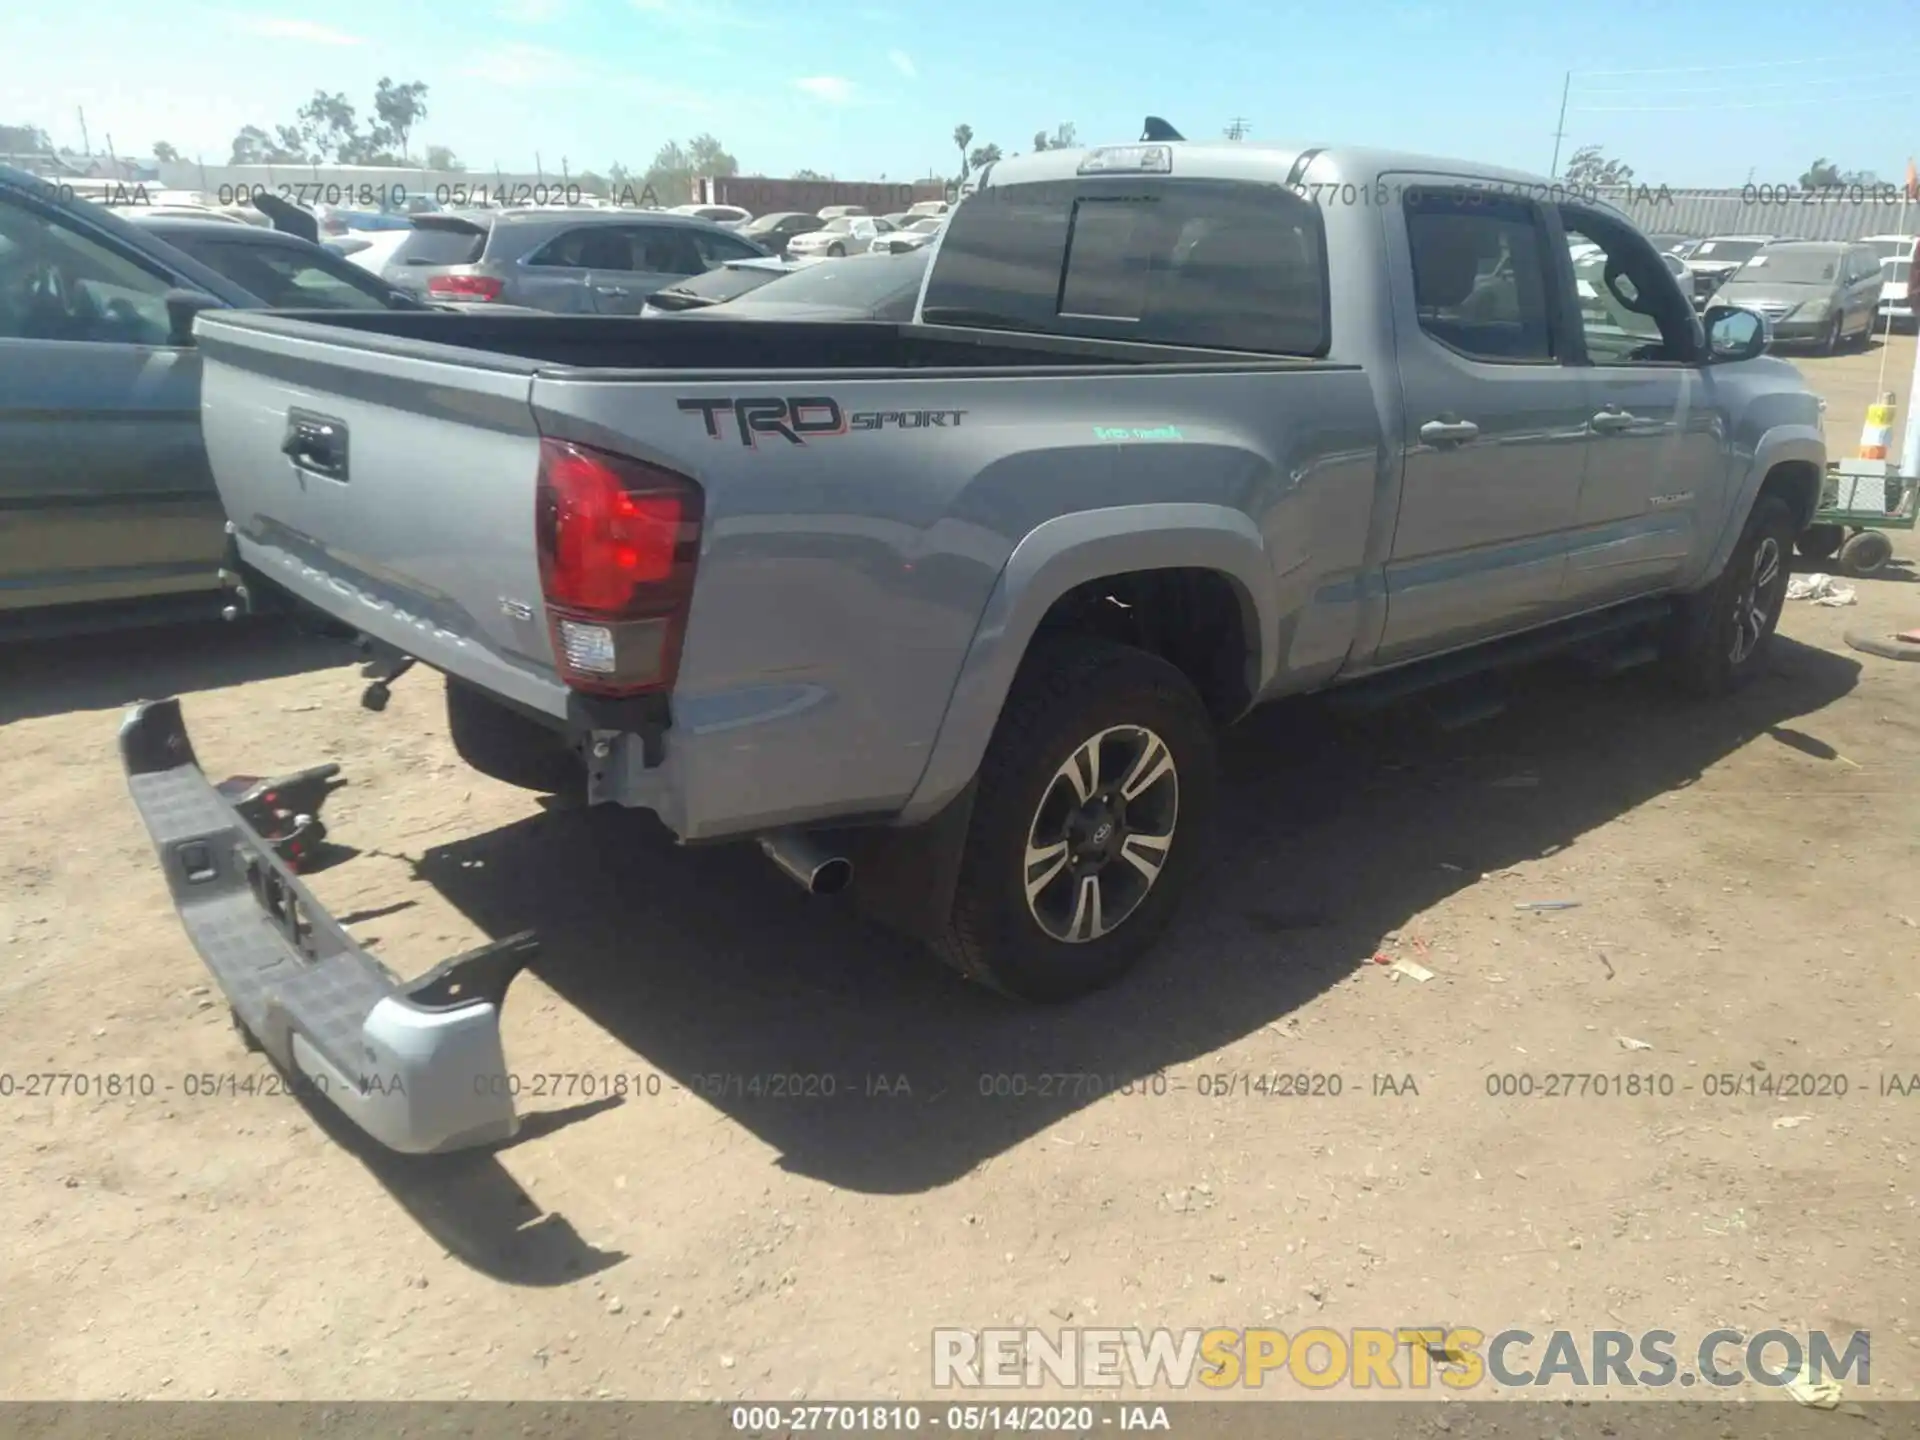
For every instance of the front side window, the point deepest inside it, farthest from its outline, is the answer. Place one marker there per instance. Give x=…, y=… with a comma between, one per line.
x=1200, y=263
x=1631, y=309
x=57, y=283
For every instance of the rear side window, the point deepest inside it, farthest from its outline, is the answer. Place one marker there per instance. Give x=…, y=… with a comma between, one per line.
x=1223, y=266
x=429, y=244
x=1479, y=275
x=718, y=286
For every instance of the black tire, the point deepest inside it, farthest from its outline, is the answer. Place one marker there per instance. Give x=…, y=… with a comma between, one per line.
x=1866, y=553
x=1835, y=335
x=506, y=746
x=1820, y=542
x=837, y=251
x=1070, y=693
x=1702, y=654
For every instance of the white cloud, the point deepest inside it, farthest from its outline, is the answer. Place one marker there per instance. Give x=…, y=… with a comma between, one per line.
x=830, y=88
x=305, y=31
x=529, y=12
x=903, y=62
x=521, y=67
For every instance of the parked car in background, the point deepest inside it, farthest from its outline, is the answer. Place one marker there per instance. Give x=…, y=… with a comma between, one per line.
x=775, y=231
x=282, y=272
x=1896, y=295
x=1823, y=292
x=1891, y=247
x=910, y=236
x=843, y=235
x=570, y=261
x=110, y=514
x=370, y=252
x=1713, y=260
x=929, y=207
x=731, y=216
x=861, y=287
x=1672, y=243
x=835, y=212
x=729, y=282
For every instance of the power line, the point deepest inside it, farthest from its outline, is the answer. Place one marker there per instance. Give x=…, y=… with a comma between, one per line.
x=1729, y=89
x=1723, y=69
x=1237, y=129
x=1829, y=100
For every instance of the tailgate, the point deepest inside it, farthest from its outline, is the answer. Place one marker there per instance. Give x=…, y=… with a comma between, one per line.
x=389, y=482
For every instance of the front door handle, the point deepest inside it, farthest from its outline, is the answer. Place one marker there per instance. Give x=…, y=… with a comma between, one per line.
x=609, y=290
x=1612, y=420
x=1448, y=431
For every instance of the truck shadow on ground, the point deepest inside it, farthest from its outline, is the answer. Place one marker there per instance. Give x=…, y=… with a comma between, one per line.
x=1334, y=832
x=100, y=672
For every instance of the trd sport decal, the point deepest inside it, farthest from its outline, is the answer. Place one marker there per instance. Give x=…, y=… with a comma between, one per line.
x=799, y=419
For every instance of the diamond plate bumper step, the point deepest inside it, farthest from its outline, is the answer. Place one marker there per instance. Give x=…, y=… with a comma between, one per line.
x=416, y=1064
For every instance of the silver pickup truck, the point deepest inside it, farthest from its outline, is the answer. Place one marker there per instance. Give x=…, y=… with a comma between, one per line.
x=951, y=610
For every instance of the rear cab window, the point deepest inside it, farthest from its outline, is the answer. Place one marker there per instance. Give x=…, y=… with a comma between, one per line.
x=1212, y=264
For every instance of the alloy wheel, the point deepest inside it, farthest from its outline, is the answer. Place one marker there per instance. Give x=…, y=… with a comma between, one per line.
x=1101, y=834
x=1755, y=602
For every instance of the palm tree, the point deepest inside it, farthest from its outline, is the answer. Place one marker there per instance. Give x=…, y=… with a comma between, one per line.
x=963, y=137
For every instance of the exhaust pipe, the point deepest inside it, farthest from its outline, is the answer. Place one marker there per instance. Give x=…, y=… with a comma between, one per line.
x=812, y=867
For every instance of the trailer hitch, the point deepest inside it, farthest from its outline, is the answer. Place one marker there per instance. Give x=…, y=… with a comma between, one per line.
x=285, y=811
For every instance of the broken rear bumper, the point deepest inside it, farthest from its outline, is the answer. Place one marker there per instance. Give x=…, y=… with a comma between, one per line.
x=418, y=1064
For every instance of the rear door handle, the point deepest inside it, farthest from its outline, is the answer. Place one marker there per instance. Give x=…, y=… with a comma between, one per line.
x=1612, y=420
x=316, y=443
x=1445, y=431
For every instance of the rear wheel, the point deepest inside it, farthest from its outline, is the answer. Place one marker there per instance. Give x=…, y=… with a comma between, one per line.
x=505, y=745
x=1720, y=635
x=1095, y=797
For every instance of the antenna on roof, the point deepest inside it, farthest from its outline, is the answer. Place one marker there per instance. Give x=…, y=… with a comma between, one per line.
x=1158, y=129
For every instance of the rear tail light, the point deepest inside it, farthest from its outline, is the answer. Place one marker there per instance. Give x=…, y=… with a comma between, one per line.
x=465, y=287
x=618, y=540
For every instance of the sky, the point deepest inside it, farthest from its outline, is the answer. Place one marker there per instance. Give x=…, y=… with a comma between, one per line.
x=1709, y=93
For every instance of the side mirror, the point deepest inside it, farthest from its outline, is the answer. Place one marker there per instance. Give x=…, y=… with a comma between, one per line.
x=1735, y=334
x=182, y=306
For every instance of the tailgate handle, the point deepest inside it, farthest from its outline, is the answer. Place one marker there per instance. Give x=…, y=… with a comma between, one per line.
x=316, y=443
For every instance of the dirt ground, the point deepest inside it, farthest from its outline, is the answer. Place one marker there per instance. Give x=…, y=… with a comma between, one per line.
x=1747, y=890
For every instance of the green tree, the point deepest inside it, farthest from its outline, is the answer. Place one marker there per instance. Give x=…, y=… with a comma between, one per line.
x=328, y=127
x=439, y=157
x=1822, y=174
x=984, y=155
x=1590, y=168
x=1064, y=137
x=24, y=140
x=962, y=138
x=590, y=183
x=164, y=153
x=254, y=146
x=808, y=175
x=398, y=108
x=676, y=166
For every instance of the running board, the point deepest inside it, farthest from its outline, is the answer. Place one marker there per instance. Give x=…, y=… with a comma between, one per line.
x=1390, y=687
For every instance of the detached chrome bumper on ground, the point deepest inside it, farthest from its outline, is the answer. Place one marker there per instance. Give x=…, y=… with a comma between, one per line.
x=416, y=1064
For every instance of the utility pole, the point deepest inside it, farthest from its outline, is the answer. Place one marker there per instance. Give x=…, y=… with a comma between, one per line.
x=1560, y=130
x=86, y=142
x=1237, y=128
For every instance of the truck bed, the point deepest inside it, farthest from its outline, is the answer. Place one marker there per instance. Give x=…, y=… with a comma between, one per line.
x=525, y=343
x=845, y=561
